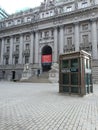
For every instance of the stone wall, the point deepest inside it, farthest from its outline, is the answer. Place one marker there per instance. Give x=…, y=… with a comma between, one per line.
x=7, y=74
x=95, y=71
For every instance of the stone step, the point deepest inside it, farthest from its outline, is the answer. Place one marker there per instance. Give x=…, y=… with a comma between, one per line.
x=43, y=78
x=36, y=80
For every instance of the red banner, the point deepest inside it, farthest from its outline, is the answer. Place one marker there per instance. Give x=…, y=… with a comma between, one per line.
x=46, y=58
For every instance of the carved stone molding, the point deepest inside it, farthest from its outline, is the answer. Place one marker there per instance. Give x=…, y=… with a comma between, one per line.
x=76, y=23
x=45, y=44
x=68, y=48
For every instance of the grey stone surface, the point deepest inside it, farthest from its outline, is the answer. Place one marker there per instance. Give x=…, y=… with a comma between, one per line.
x=33, y=106
x=54, y=73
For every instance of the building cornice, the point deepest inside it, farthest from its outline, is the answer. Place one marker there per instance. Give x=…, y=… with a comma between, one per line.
x=61, y=19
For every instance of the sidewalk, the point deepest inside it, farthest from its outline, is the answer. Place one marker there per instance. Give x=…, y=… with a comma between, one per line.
x=28, y=106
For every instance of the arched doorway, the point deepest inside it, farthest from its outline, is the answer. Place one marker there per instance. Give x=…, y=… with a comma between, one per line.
x=46, y=58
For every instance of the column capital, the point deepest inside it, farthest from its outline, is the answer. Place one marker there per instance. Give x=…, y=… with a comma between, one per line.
x=76, y=23
x=11, y=36
x=32, y=32
x=55, y=27
x=36, y=30
x=21, y=34
x=2, y=38
x=93, y=19
x=61, y=26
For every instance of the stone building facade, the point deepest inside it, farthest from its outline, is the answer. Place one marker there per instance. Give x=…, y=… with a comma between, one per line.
x=53, y=28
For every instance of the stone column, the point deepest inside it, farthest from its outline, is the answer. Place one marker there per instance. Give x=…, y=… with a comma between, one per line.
x=36, y=47
x=11, y=50
x=76, y=36
x=55, y=54
x=94, y=39
x=40, y=58
x=2, y=52
x=21, y=49
x=61, y=37
x=32, y=47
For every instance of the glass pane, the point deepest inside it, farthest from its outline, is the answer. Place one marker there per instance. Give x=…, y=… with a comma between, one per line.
x=65, y=64
x=90, y=64
x=87, y=63
x=74, y=63
x=65, y=78
x=88, y=79
x=74, y=79
x=66, y=88
x=74, y=89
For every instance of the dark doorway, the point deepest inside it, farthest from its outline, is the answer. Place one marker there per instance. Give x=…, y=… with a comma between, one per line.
x=3, y=74
x=13, y=75
x=46, y=58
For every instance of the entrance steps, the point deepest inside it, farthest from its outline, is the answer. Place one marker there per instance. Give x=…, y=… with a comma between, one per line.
x=43, y=78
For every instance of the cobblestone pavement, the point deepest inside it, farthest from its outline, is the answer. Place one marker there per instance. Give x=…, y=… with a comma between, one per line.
x=28, y=106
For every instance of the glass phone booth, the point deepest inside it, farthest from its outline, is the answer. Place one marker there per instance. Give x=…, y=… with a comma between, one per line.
x=75, y=73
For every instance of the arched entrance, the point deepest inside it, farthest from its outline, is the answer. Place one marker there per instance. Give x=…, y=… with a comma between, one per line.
x=46, y=58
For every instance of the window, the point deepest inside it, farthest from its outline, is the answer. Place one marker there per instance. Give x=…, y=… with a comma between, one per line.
x=84, y=4
x=42, y=15
x=52, y=33
x=74, y=78
x=27, y=37
x=74, y=63
x=9, y=23
x=40, y=34
x=27, y=46
x=17, y=47
x=69, y=9
x=17, y=39
x=65, y=78
x=46, y=33
x=47, y=13
x=26, y=59
x=6, y=61
x=69, y=29
x=51, y=11
x=18, y=21
x=85, y=27
x=8, y=40
x=16, y=60
x=85, y=39
x=69, y=41
x=8, y=49
x=28, y=19
x=65, y=64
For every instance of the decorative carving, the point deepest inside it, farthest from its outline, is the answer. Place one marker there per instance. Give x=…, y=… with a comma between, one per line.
x=27, y=72
x=68, y=48
x=26, y=52
x=16, y=54
x=76, y=4
x=54, y=73
x=6, y=54
x=56, y=11
x=86, y=46
x=92, y=2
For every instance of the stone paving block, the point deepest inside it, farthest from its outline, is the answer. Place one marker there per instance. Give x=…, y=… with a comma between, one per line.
x=30, y=106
